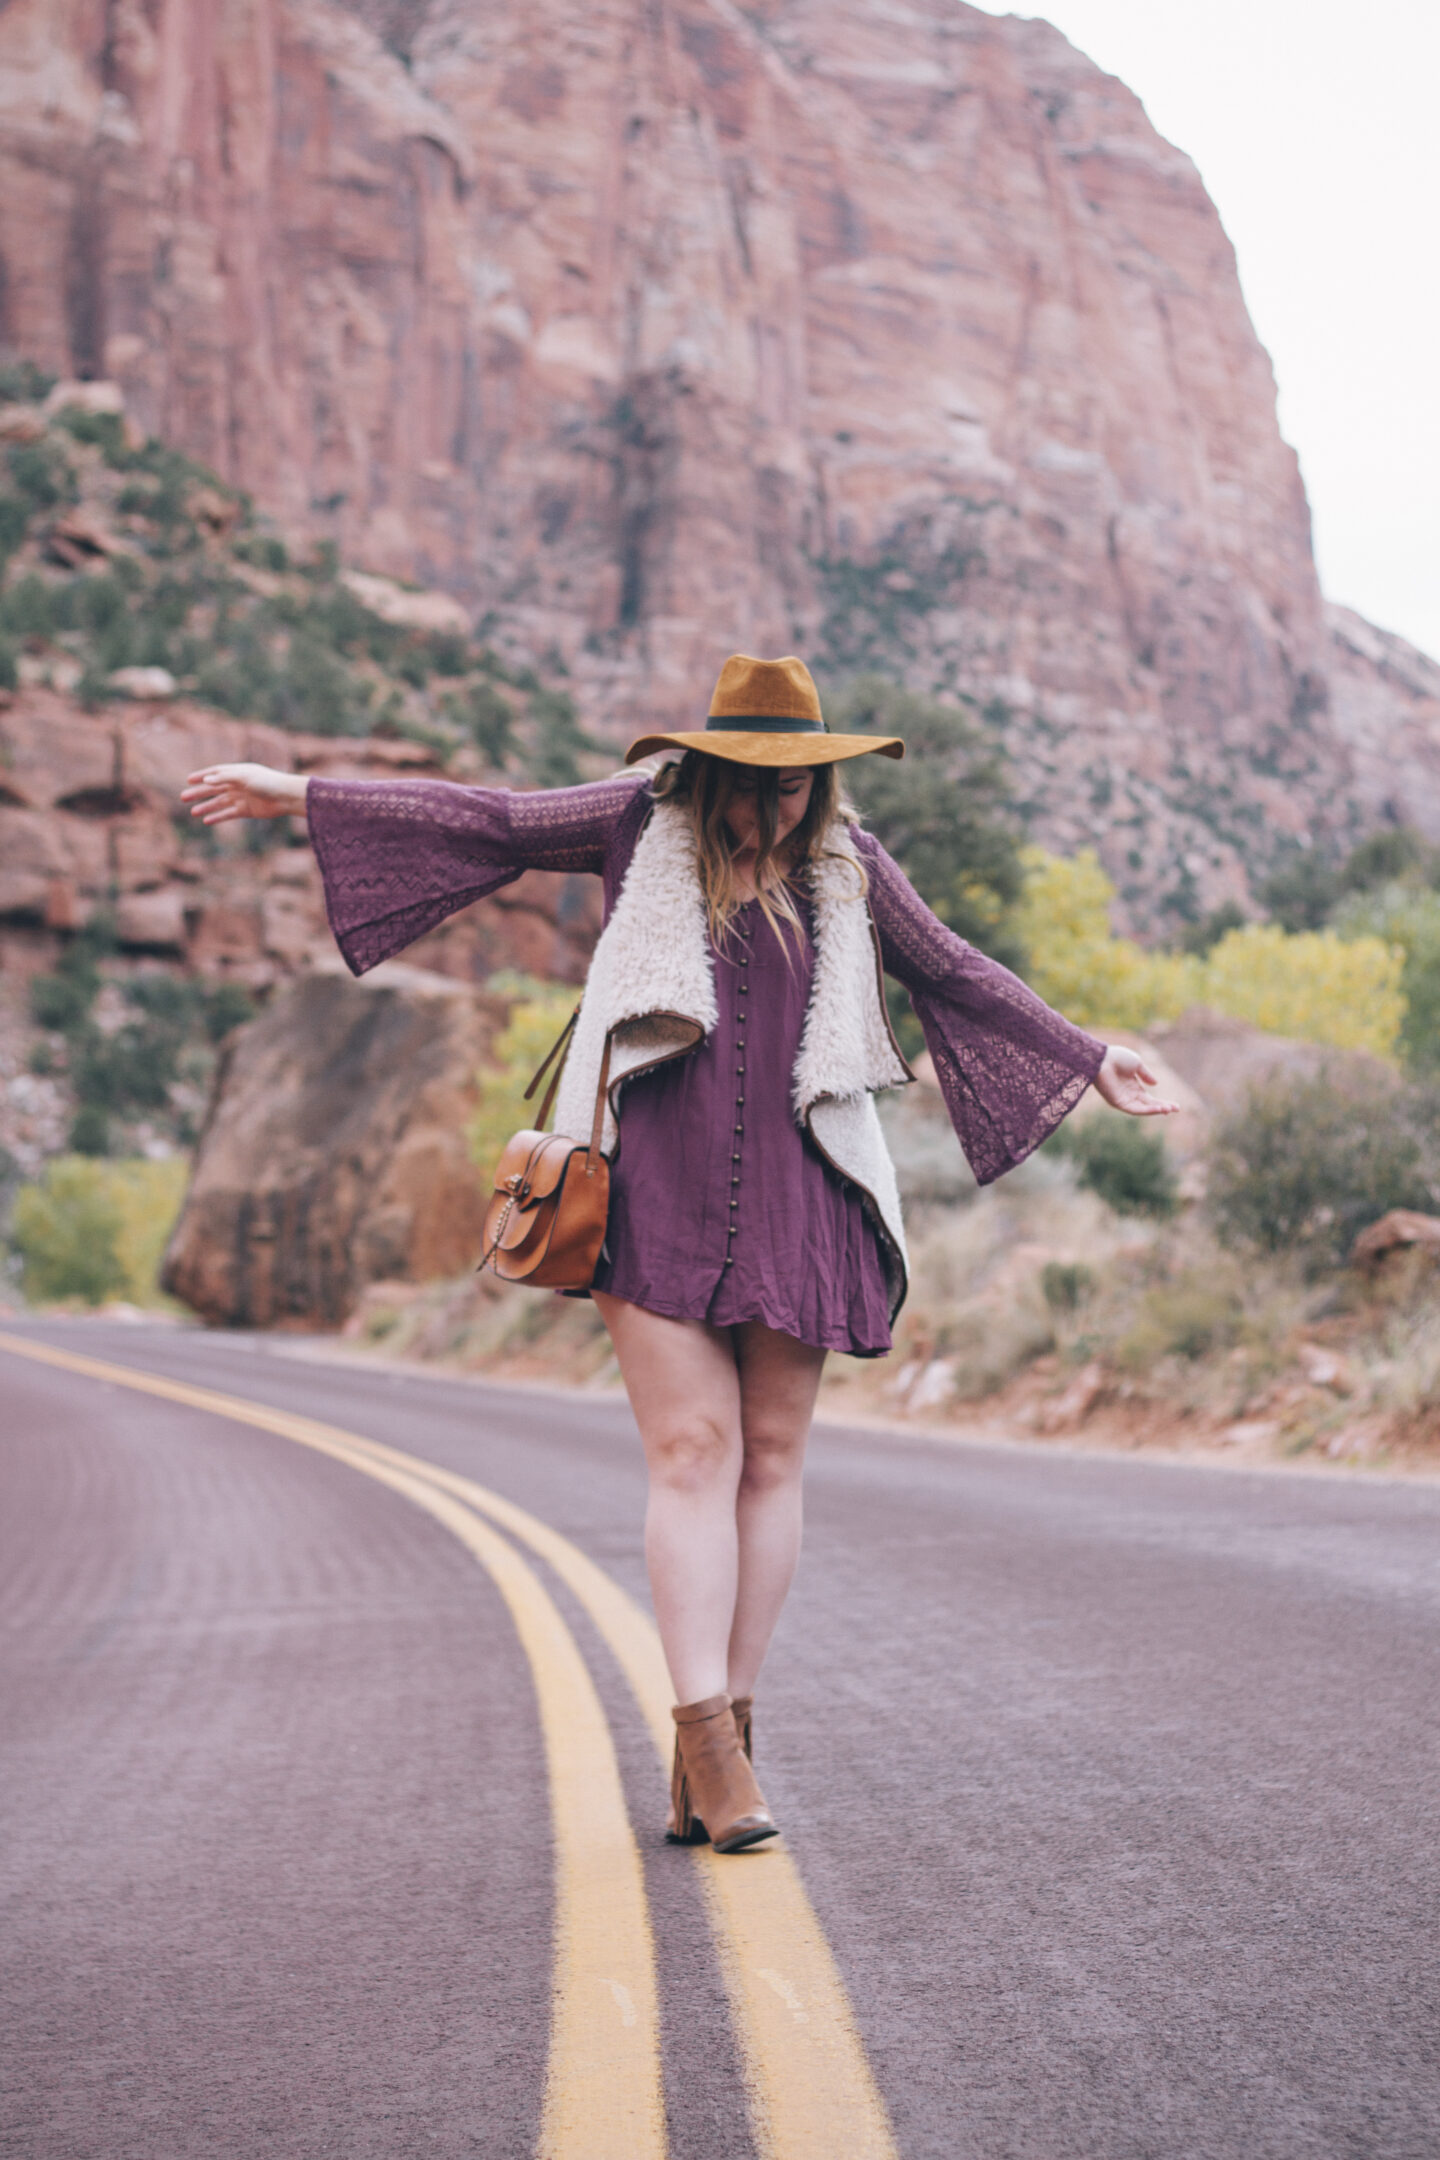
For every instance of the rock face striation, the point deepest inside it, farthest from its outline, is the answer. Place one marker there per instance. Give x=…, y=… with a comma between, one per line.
x=897, y=337
x=91, y=820
x=334, y=1154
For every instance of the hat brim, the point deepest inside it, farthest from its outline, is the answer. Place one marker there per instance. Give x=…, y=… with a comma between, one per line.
x=754, y=748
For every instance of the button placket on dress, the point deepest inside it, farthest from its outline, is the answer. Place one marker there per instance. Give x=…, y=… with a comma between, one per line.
x=742, y=989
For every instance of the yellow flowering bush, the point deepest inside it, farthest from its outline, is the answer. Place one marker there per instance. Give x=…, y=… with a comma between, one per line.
x=536, y=1018
x=1078, y=965
x=1317, y=986
x=1320, y=987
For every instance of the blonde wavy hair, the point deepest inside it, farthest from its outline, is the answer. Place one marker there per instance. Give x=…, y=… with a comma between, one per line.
x=706, y=786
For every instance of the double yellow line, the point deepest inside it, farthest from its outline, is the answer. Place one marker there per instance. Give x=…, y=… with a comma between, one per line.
x=811, y=2092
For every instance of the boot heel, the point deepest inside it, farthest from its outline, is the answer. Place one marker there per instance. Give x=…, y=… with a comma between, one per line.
x=682, y=1827
x=716, y=1793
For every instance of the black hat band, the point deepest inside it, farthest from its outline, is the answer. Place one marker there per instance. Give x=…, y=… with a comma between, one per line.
x=765, y=723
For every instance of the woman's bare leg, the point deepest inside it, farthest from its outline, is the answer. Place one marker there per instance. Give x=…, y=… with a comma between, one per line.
x=684, y=1388
x=724, y=1414
x=778, y=1382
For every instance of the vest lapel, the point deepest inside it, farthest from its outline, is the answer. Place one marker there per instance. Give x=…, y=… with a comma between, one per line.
x=651, y=984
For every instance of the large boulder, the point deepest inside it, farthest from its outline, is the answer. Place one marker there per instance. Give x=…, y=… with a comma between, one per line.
x=1222, y=1060
x=334, y=1154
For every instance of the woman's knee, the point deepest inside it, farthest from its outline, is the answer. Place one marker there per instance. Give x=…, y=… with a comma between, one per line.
x=687, y=1454
x=774, y=1454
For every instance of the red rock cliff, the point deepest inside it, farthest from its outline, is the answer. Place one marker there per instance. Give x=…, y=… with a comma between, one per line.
x=653, y=330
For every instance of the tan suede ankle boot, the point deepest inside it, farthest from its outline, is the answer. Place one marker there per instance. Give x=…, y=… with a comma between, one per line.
x=713, y=1788
x=681, y=1827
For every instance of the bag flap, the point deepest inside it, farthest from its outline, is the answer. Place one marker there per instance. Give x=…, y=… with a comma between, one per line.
x=536, y=1161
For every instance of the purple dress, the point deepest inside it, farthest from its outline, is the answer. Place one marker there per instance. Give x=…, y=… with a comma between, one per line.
x=767, y=1231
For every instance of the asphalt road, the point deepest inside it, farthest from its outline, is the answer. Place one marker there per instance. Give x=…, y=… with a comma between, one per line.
x=1113, y=1786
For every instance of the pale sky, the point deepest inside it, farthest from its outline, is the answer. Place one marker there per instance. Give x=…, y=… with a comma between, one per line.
x=1316, y=128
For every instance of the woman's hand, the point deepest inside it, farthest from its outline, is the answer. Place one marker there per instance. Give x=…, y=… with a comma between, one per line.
x=1123, y=1081
x=223, y=792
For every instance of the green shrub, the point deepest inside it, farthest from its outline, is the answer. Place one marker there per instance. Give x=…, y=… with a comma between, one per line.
x=93, y=1230
x=172, y=477
x=560, y=741
x=264, y=552
x=1188, y=1318
x=90, y=1131
x=242, y=679
x=63, y=1000
x=1300, y=892
x=14, y=524
x=227, y=1006
x=1122, y=1160
x=1398, y=852
x=27, y=608
x=107, y=430
x=66, y=1230
x=449, y=654
x=1306, y=1163
x=1200, y=937
x=23, y=383
x=316, y=692
x=487, y=718
x=129, y=1070
x=9, y=666
x=42, y=473
x=1066, y=1284
x=98, y=603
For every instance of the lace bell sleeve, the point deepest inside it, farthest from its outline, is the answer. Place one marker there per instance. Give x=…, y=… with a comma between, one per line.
x=1009, y=1068
x=399, y=856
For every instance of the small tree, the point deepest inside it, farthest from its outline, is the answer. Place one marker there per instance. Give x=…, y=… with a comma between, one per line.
x=1122, y=1161
x=1408, y=917
x=1306, y=1163
x=943, y=811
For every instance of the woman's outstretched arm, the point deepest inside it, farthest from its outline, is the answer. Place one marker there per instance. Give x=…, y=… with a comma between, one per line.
x=1009, y=1067
x=399, y=856
x=222, y=793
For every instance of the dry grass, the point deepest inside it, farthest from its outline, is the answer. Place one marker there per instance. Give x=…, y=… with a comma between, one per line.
x=479, y=1324
x=1036, y=1309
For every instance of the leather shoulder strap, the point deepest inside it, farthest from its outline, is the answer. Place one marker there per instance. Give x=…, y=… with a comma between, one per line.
x=561, y=1044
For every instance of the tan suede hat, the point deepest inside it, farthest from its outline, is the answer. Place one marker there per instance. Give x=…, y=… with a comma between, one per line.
x=767, y=712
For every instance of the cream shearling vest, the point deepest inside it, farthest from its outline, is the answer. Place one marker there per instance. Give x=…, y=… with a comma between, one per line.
x=651, y=988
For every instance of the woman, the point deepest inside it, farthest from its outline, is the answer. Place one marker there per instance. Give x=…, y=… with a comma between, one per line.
x=754, y=1218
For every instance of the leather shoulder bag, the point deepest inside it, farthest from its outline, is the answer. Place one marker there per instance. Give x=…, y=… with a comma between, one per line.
x=545, y=1223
